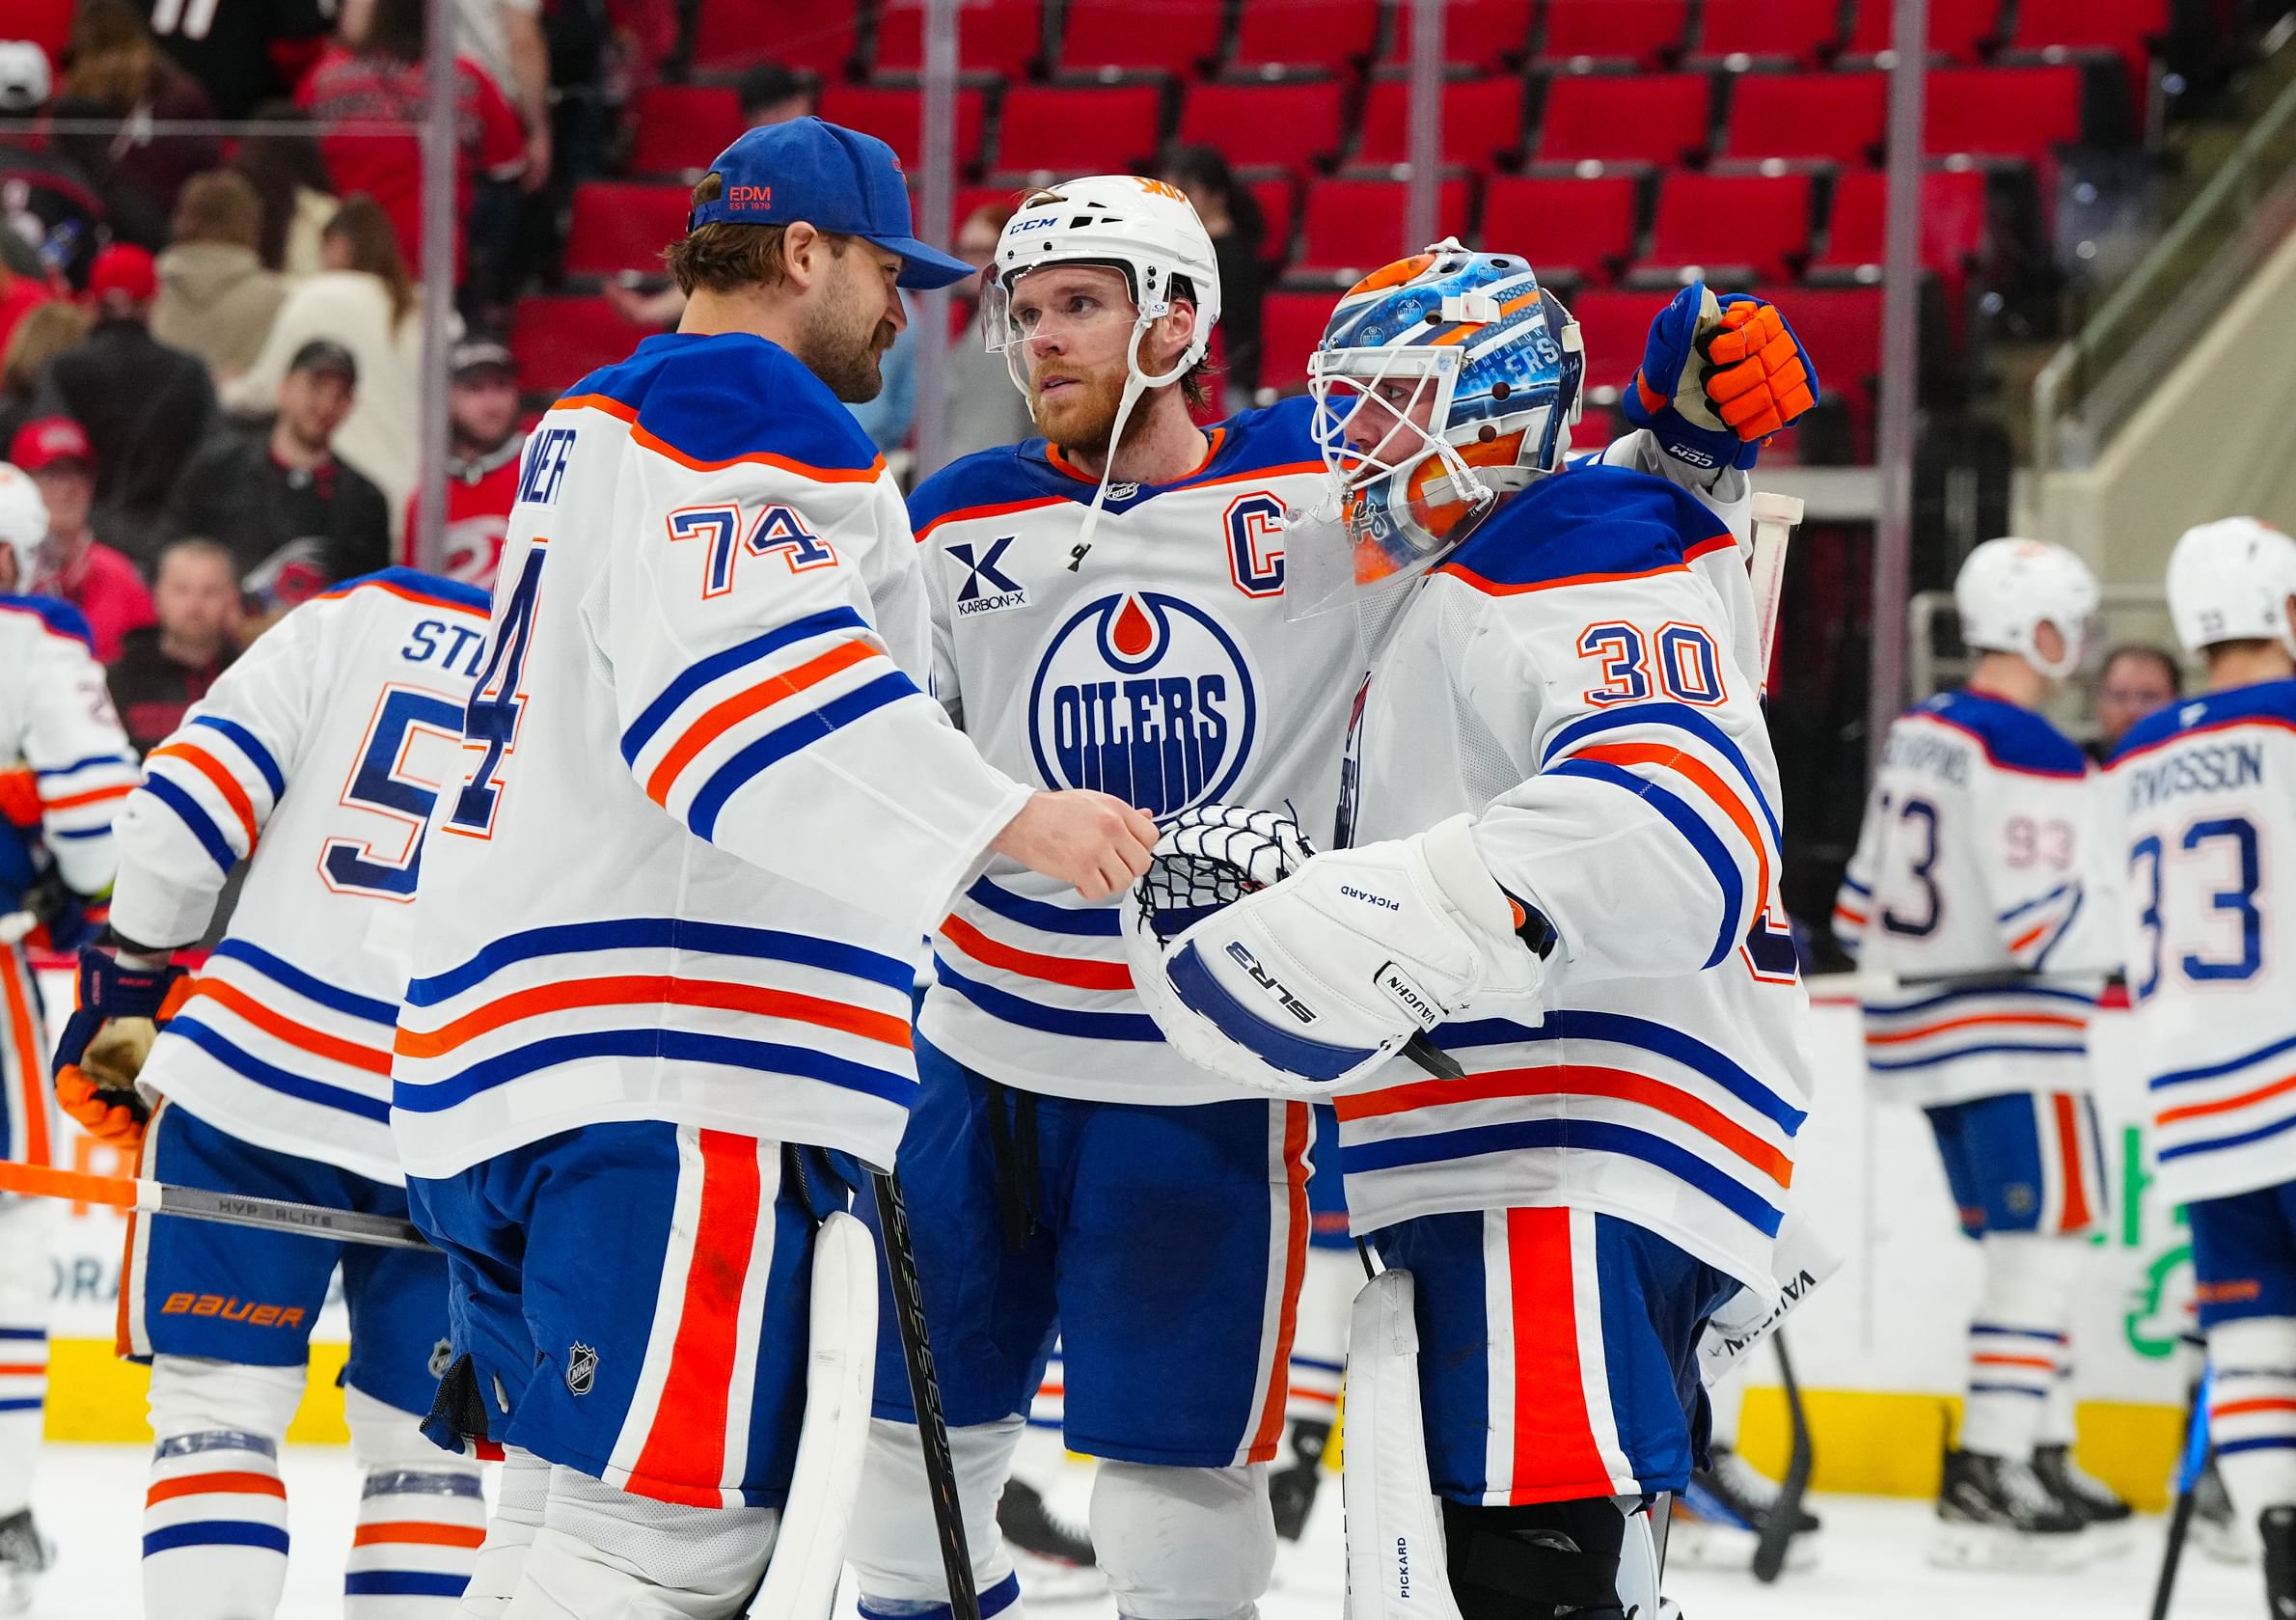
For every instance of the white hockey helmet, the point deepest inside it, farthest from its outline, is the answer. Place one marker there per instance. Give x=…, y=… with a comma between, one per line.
x=2009, y=587
x=23, y=522
x=2230, y=581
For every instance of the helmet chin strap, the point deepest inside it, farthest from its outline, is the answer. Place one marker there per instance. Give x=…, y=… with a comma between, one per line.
x=1136, y=383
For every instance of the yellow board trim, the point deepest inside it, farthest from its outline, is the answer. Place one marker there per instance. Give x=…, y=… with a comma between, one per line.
x=93, y=1396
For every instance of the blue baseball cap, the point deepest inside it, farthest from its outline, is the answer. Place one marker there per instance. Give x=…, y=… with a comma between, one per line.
x=833, y=178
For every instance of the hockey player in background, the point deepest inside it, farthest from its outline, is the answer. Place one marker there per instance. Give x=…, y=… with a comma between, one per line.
x=2204, y=795
x=668, y=915
x=1983, y=884
x=1562, y=759
x=1108, y=605
x=314, y=759
x=58, y=728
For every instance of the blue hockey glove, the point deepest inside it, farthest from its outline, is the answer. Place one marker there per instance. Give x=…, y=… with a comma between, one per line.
x=1720, y=374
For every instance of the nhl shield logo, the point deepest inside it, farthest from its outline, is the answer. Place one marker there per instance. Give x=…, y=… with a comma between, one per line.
x=442, y=1358
x=582, y=1369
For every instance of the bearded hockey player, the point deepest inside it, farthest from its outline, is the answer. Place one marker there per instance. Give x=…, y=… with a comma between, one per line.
x=1980, y=882
x=2205, y=792
x=666, y=931
x=58, y=730
x=1563, y=806
x=315, y=760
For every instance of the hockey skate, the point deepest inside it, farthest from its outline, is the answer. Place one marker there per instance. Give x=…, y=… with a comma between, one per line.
x=2110, y=1519
x=1718, y=1520
x=1053, y=1557
x=2217, y=1530
x=1291, y=1488
x=1995, y=1513
x=24, y=1553
x=2276, y=1527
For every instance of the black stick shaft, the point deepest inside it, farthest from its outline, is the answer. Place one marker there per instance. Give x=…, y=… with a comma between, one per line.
x=1777, y=1528
x=924, y=1394
x=2180, y=1522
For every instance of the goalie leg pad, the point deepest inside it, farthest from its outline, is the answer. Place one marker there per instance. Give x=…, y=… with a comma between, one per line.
x=1395, y=1534
x=1184, y=1544
x=216, y=1531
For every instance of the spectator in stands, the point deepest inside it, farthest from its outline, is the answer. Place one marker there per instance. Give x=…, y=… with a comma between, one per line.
x=19, y=295
x=298, y=194
x=73, y=564
x=363, y=300
x=116, y=66
x=242, y=55
x=164, y=668
x=217, y=300
x=1231, y=218
x=45, y=332
x=983, y=408
x=2136, y=680
x=49, y=200
x=481, y=462
x=380, y=77
x=296, y=517
x=147, y=407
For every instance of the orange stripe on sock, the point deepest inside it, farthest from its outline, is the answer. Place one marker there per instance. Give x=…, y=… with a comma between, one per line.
x=419, y=1534
x=216, y=1484
x=2244, y=1408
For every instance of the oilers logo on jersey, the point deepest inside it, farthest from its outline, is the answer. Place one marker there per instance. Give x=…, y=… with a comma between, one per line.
x=1147, y=696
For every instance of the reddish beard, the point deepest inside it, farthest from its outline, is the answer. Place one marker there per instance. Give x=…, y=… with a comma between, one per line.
x=1079, y=419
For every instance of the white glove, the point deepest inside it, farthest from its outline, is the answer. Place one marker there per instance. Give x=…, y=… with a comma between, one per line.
x=1304, y=987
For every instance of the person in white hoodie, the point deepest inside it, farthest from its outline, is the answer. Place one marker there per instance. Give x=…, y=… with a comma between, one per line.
x=217, y=300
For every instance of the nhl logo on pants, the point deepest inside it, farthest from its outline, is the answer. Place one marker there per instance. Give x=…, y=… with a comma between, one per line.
x=582, y=1369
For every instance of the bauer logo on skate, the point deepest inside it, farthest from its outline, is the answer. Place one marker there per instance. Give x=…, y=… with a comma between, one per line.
x=1146, y=697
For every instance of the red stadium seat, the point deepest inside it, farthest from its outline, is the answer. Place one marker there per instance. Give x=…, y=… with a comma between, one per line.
x=1280, y=212
x=997, y=38
x=1613, y=326
x=1085, y=130
x=679, y=128
x=1108, y=38
x=1841, y=328
x=1354, y=227
x=795, y=33
x=1954, y=227
x=2047, y=30
x=558, y=342
x=620, y=226
x=1482, y=34
x=1959, y=30
x=1290, y=126
x=1622, y=33
x=1291, y=325
x=2004, y=112
x=1739, y=228
x=1289, y=35
x=896, y=115
x=1483, y=122
x=47, y=24
x=1798, y=31
x=1569, y=229
x=1655, y=119
x=1835, y=117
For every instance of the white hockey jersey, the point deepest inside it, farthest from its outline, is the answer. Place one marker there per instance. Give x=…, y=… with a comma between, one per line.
x=56, y=722
x=1160, y=666
x=2205, y=793
x=1566, y=676
x=1981, y=866
x=316, y=758
x=705, y=814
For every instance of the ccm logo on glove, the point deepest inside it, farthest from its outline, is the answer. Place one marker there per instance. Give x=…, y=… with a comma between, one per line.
x=1269, y=983
x=1349, y=892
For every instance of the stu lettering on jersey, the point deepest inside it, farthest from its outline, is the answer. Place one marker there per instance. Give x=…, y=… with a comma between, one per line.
x=451, y=647
x=1925, y=751
x=547, y=453
x=2199, y=770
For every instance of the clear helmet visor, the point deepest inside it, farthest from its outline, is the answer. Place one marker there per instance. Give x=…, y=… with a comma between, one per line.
x=1395, y=490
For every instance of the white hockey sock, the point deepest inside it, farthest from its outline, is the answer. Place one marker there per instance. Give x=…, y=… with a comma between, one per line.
x=215, y=1536
x=1320, y=1342
x=2018, y=1344
x=2251, y=1412
x=24, y=1227
x=518, y=1504
x=422, y=1517
x=893, y=1547
x=2060, y=1425
x=1041, y=1452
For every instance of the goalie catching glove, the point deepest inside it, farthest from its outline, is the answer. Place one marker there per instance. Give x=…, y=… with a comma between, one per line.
x=117, y=1007
x=1297, y=974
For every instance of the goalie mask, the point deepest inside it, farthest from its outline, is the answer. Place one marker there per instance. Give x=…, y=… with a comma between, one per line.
x=2008, y=589
x=2230, y=581
x=1443, y=383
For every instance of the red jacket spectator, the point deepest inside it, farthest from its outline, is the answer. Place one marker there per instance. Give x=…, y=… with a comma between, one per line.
x=74, y=564
x=18, y=295
x=374, y=84
x=481, y=464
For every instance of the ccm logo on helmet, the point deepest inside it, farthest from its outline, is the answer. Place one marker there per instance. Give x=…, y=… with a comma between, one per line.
x=1269, y=983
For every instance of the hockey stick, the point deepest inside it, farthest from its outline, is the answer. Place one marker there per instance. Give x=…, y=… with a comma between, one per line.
x=1777, y=1525
x=1774, y=520
x=2188, y=1475
x=198, y=1203
x=924, y=1394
